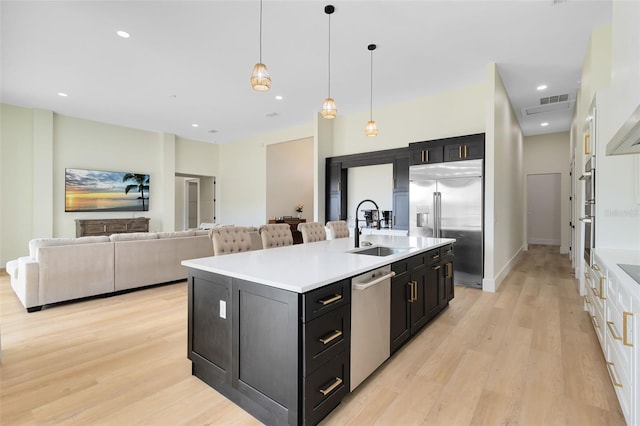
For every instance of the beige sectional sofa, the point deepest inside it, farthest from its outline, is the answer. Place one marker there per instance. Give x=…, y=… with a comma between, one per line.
x=61, y=269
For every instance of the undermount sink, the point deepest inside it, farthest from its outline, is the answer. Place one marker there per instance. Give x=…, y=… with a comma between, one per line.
x=381, y=251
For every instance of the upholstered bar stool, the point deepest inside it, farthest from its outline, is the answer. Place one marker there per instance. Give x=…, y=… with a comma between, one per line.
x=230, y=239
x=275, y=235
x=338, y=229
x=312, y=232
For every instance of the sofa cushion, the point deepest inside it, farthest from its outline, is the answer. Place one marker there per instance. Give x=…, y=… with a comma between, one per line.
x=200, y=232
x=12, y=268
x=178, y=234
x=134, y=236
x=36, y=243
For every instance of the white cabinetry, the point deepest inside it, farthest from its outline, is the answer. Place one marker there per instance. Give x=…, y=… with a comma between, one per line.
x=619, y=333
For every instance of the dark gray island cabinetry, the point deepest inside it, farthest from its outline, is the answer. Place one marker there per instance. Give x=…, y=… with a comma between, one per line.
x=271, y=329
x=282, y=356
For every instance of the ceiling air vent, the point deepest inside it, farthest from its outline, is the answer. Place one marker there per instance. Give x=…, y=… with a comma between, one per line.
x=548, y=104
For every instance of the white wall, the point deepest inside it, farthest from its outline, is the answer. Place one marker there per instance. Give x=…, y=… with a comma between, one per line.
x=37, y=146
x=453, y=113
x=290, y=178
x=504, y=184
x=17, y=174
x=369, y=182
x=549, y=153
x=242, y=176
x=543, y=208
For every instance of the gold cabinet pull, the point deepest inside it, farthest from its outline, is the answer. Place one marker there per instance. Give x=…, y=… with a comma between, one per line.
x=594, y=321
x=427, y=155
x=625, y=329
x=449, y=270
x=601, y=289
x=586, y=144
x=610, y=325
x=435, y=268
x=435, y=256
x=414, y=291
x=465, y=151
x=337, y=382
x=610, y=368
x=586, y=299
x=596, y=267
x=595, y=293
x=331, y=337
x=422, y=156
x=460, y=151
x=330, y=300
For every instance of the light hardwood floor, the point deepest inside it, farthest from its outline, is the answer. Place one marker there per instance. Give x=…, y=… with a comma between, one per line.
x=526, y=355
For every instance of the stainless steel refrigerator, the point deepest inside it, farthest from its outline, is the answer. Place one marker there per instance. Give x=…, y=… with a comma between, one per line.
x=446, y=200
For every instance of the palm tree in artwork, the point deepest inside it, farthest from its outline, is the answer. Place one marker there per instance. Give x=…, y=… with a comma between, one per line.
x=141, y=183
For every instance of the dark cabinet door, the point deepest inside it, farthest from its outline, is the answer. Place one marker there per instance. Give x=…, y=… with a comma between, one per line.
x=464, y=151
x=448, y=280
x=400, y=290
x=426, y=153
x=401, y=174
x=401, y=210
x=420, y=293
x=433, y=291
x=336, y=194
x=209, y=328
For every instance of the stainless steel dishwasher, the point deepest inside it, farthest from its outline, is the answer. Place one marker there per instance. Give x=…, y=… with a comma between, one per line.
x=370, y=322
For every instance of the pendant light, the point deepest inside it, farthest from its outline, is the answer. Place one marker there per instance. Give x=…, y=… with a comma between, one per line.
x=260, y=80
x=329, y=109
x=371, y=129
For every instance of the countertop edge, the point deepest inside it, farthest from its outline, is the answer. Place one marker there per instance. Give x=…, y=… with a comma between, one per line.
x=200, y=264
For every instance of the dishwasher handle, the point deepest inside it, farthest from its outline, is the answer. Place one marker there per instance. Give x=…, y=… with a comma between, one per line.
x=364, y=286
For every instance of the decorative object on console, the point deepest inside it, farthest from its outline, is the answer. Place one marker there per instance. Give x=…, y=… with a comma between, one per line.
x=95, y=190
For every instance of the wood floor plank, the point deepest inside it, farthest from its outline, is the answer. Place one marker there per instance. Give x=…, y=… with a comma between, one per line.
x=525, y=355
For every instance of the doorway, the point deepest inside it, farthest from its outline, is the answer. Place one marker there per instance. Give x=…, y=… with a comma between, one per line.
x=192, y=203
x=543, y=209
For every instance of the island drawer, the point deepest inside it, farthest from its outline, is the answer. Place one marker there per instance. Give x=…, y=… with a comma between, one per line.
x=325, y=337
x=446, y=252
x=325, y=299
x=325, y=388
x=433, y=257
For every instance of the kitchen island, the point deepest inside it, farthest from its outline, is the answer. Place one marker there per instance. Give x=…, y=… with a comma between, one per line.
x=271, y=329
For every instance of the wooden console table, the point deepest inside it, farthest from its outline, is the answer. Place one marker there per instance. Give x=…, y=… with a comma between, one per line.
x=96, y=227
x=293, y=223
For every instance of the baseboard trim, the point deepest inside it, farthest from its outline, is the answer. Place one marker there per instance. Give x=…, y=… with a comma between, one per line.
x=564, y=250
x=544, y=241
x=492, y=285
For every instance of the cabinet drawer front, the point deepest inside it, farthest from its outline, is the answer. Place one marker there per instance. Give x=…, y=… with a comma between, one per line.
x=400, y=267
x=138, y=227
x=620, y=381
x=325, y=299
x=117, y=227
x=326, y=337
x=94, y=228
x=447, y=252
x=325, y=388
x=433, y=257
x=619, y=335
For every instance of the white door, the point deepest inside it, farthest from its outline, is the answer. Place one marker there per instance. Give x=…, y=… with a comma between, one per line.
x=543, y=209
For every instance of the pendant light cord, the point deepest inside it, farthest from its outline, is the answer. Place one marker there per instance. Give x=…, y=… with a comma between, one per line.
x=371, y=91
x=260, y=31
x=329, y=56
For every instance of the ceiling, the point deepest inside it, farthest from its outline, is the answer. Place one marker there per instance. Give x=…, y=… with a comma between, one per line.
x=188, y=62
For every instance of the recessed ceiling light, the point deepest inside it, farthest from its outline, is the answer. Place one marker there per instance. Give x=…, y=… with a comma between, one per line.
x=64, y=95
x=123, y=34
x=279, y=97
x=194, y=125
x=541, y=87
x=545, y=124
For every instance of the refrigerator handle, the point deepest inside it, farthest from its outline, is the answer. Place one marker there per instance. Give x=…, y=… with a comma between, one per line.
x=439, y=215
x=436, y=215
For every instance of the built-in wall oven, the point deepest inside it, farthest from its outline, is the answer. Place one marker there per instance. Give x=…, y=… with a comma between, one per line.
x=589, y=178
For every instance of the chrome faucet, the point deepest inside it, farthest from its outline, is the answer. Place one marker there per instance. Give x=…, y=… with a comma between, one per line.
x=356, y=233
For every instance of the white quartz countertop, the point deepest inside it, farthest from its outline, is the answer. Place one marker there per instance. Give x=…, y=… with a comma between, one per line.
x=304, y=267
x=611, y=258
